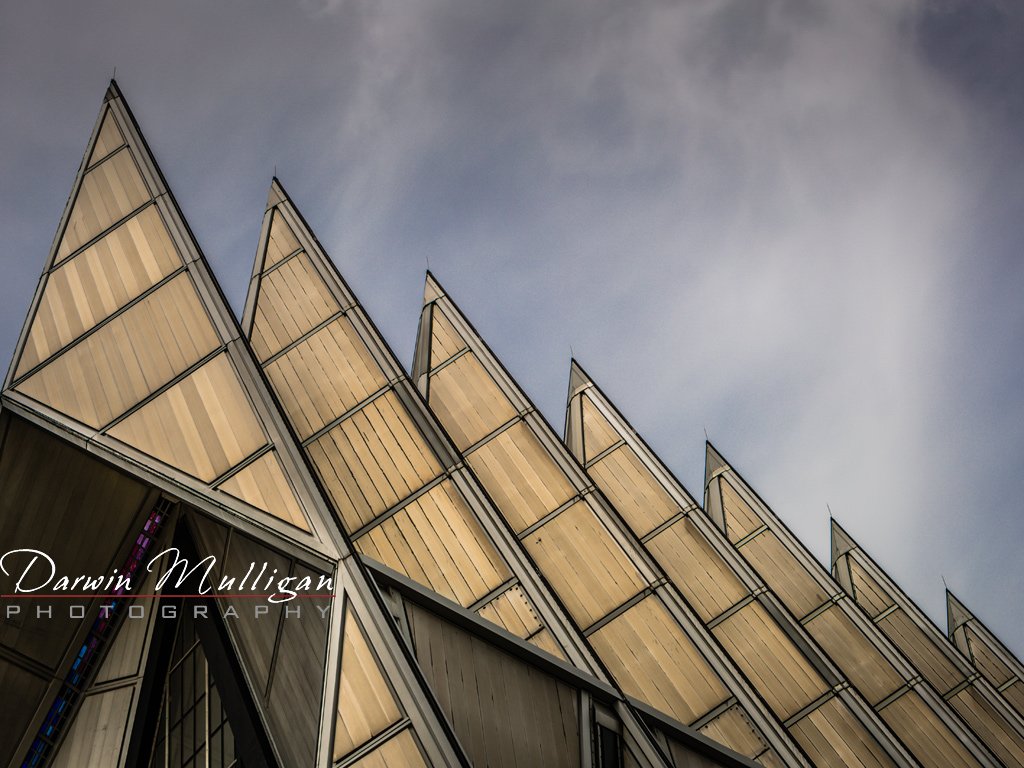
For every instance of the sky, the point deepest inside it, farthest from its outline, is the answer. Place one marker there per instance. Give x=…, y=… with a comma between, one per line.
x=793, y=224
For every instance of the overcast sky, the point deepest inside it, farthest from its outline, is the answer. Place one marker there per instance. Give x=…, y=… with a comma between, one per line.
x=795, y=223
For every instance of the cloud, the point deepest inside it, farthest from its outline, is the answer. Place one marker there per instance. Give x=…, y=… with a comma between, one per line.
x=789, y=221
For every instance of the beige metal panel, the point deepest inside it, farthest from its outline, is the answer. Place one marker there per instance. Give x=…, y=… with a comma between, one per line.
x=683, y=757
x=775, y=666
x=631, y=487
x=990, y=665
x=546, y=642
x=584, y=564
x=932, y=663
x=282, y=241
x=1014, y=694
x=109, y=192
x=512, y=611
x=445, y=341
x=990, y=725
x=868, y=593
x=770, y=760
x=831, y=735
x=203, y=425
x=324, y=376
x=100, y=280
x=733, y=728
x=97, y=734
x=653, y=660
x=264, y=485
x=521, y=476
x=740, y=519
x=918, y=727
x=436, y=541
x=107, y=140
x=505, y=712
x=293, y=300
x=22, y=691
x=400, y=750
x=128, y=358
x=598, y=433
x=372, y=460
x=295, y=699
x=694, y=566
x=366, y=704
x=784, y=573
x=255, y=636
x=859, y=658
x=61, y=501
x=467, y=401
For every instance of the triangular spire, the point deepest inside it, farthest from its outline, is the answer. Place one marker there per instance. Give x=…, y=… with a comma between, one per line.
x=714, y=463
x=841, y=541
x=130, y=344
x=610, y=584
x=957, y=614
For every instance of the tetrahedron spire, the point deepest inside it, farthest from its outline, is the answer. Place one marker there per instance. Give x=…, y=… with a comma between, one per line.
x=615, y=592
x=957, y=614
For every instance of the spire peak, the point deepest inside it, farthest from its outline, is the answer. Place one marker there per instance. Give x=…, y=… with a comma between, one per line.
x=432, y=289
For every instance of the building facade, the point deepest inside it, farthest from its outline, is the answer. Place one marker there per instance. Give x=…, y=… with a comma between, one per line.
x=326, y=560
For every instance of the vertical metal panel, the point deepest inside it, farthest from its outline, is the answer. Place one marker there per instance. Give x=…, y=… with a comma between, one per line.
x=262, y=483
x=293, y=300
x=128, y=358
x=697, y=569
x=97, y=735
x=584, y=564
x=109, y=192
x=770, y=660
x=653, y=660
x=784, y=573
x=832, y=736
x=733, y=727
x=203, y=425
x=324, y=376
x=372, y=460
x=990, y=725
x=507, y=713
x=467, y=401
x=401, y=750
x=108, y=139
x=935, y=665
x=445, y=340
x=931, y=742
x=520, y=476
x=100, y=280
x=366, y=705
x=866, y=667
x=281, y=241
x=631, y=487
x=436, y=540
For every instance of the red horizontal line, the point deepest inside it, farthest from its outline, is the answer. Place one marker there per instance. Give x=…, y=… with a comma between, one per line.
x=124, y=597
